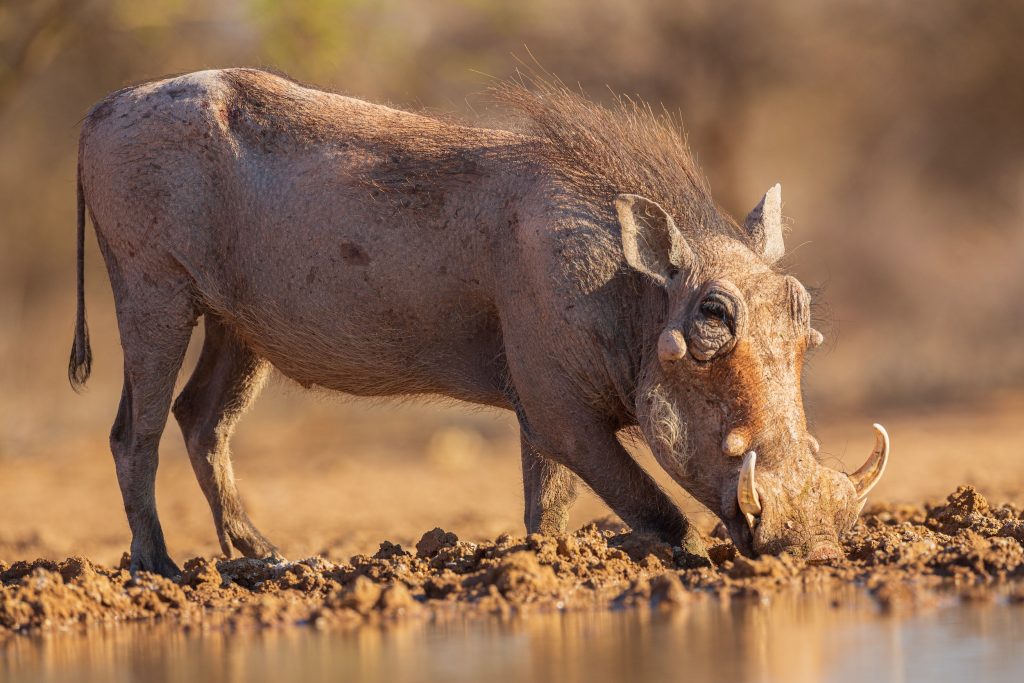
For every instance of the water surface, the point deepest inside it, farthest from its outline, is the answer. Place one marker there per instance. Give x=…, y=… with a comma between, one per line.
x=792, y=638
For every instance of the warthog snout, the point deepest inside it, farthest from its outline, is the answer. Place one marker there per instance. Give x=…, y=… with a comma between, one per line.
x=802, y=509
x=823, y=553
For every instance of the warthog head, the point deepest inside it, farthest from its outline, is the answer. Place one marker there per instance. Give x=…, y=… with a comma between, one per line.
x=720, y=399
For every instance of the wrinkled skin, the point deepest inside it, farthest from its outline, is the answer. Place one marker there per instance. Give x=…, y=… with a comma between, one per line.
x=377, y=253
x=751, y=386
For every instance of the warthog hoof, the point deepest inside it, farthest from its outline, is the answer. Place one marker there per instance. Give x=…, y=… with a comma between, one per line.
x=241, y=534
x=156, y=563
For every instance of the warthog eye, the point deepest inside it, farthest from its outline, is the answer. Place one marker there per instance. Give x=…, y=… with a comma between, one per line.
x=716, y=308
x=712, y=325
x=712, y=308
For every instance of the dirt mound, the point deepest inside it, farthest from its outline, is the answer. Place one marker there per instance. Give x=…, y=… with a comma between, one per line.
x=904, y=555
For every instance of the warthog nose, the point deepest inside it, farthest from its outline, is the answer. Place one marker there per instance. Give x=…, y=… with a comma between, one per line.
x=823, y=553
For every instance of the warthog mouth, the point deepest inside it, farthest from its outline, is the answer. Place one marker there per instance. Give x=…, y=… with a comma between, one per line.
x=742, y=515
x=740, y=533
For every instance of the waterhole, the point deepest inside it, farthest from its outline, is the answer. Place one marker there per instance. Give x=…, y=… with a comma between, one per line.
x=791, y=637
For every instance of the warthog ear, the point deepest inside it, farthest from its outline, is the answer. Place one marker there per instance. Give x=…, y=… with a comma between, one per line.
x=650, y=239
x=764, y=223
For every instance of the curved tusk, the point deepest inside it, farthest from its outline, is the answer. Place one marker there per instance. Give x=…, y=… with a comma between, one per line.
x=871, y=471
x=746, y=491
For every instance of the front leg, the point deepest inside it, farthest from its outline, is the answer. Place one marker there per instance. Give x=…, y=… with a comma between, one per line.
x=550, y=490
x=593, y=452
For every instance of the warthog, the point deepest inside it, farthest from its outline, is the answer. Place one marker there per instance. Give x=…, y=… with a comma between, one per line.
x=578, y=274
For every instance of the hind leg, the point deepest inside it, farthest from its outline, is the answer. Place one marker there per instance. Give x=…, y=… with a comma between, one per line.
x=224, y=384
x=155, y=320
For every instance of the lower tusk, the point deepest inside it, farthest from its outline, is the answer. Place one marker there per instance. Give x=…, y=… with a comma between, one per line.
x=746, y=489
x=751, y=520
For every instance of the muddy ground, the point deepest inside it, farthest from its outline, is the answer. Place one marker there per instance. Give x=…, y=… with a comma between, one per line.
x=907, y=557
x=331, y=479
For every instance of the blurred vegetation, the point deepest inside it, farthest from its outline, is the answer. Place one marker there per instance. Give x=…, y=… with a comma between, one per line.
x=895, y=129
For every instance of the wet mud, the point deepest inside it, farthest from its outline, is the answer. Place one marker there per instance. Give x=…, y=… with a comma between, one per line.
x=907, y=557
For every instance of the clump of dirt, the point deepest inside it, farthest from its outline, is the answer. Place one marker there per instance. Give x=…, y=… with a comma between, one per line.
x=903, y=555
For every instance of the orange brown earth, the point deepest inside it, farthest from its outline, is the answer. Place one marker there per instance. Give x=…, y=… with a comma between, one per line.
x=906, y=556
x=331, y=481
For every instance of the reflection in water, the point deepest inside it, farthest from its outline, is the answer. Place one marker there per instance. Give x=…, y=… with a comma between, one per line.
x=791, y=638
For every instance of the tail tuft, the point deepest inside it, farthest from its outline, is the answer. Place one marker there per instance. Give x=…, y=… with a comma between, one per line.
x=80, y=363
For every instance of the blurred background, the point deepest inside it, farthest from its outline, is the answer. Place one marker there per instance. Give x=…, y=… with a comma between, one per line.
x=894, y=128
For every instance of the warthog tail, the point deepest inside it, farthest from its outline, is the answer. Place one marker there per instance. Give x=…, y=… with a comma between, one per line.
x=80, y=364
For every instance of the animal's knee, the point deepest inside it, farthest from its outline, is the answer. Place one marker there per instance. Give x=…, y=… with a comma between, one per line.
x=120, y=432
x=198, y=426
x=184, y=412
